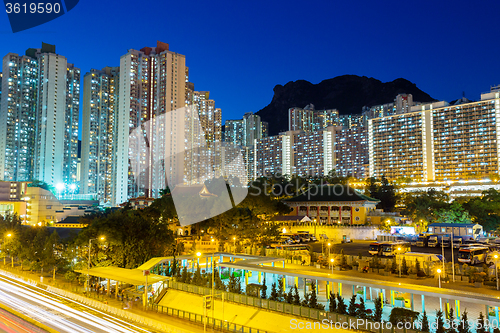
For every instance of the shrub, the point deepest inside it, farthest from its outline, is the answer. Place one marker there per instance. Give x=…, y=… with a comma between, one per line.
x=402, y=315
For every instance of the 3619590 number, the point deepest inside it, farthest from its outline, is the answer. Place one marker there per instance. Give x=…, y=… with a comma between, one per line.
x=32, y=8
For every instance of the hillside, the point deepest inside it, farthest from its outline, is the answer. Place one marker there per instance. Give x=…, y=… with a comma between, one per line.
x=347, y=93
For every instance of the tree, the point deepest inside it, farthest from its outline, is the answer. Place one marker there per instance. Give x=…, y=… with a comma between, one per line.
x=341, y=306
x=263, y=291
x=417, y=266
x=296, y=297
x=289, y=296
x=439, y=322
x=313, y=299
x=281, y=290
x=422, y=205
x=197, y=279
x=404, y=267
x=463, y=327
x=305, y=301
x=332, y=306
x=274, y=293
x=377, y=314
x=361, y=311
x=480, y=325
x=454, y=214
x=451, y=319
x=425, y=323
x=351, y=311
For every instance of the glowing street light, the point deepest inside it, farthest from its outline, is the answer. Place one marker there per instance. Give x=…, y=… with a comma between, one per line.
x=332, y=260
x=102, y=238
x=439, y=275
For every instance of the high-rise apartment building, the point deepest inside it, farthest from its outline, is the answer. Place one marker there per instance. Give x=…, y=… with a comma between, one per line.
x=351, y=151
x=437, y=141
x=244, y=132
x=39, y=118
x=152, y=83
x=100, y=106
x=309, y=119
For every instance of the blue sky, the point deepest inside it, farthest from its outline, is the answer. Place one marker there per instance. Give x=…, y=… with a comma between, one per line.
x=239, y=50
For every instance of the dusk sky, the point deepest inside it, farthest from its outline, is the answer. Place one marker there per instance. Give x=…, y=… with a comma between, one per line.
x=240, y=50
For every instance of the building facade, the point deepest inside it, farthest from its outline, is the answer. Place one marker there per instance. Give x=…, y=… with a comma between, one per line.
x=99, y=128
x=351, y=152
x=437, y=141
x=39, y=118
x=308, y=119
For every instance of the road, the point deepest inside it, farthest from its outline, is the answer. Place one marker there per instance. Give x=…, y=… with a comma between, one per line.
x=56, y=312
x=12, y=324
x=357, y=247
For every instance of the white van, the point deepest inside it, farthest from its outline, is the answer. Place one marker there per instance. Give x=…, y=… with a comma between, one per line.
x=429, y=258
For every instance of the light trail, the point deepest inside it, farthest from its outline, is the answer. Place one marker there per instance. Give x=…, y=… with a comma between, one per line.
x=47, y=308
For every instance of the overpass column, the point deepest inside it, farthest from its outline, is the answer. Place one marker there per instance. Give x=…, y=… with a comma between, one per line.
x=260, y=273
x=364, y=293
x=116, y=289
x=423, y=303
x=108, y=291
x=496, y=315
x=327, y=289
x=354, y=289
x=305, y=287
x=317, y=288
x=340, y=288
x=457, y=309
x=412, y=307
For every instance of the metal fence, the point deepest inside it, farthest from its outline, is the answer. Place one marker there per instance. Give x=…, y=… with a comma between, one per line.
x=332, y=319
x=210, y=322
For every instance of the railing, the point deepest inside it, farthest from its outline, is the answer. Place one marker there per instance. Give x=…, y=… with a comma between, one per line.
x=200, y=319
x=331, y=318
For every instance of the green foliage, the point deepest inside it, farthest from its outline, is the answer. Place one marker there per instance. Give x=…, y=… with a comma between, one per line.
x=425, y=323
x=480, y=324
x=296, y=297
x=289, y=296
x=341, y=306
x=313, y=299
x=70, y=276
x=274, y=293
x=402, y=315
x=422, y=205
x=377, y=314
x=281, y=289
x=439, y=322
x=361, y=310
x=263, y=290
x=394, y=266
x=417, y=266
x=463, y=326
x=454, y=214
x=234, y=284
x=384, y=191
x=351, y=311
x=404, y=267
x=305, y=301
x=451, y=318
x=332, y=306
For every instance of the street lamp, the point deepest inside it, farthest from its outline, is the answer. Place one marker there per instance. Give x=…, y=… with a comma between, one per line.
x=8, y=235
x=399, y=251
x=234, y=244
x=439, y=275
x=496, y=268
x=331, y=260
x=88, y=264
x=329, y=244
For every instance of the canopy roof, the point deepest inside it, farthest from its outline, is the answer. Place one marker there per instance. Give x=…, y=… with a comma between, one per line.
x=131, y=276
x=331, y=193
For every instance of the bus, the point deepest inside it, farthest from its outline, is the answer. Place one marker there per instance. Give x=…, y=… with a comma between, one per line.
x=434, y=240
x=376, y=248
x=390, y=249
x=423, y=239
x=293, y=247
x=473, y=254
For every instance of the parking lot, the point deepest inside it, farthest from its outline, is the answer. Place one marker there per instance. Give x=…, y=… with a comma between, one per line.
x=361, y=247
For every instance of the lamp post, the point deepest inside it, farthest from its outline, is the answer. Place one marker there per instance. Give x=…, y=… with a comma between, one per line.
x=234, y=244
x=399, y=251
x=329, y=244
x=439, y=276
x=496, y=268
x=88, y=264
x=332, y=260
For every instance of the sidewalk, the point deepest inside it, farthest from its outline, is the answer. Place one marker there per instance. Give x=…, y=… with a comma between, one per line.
x=254, y=317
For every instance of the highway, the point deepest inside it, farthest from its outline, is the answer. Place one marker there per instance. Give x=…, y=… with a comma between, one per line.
x=56, y=312
x=12, y=324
